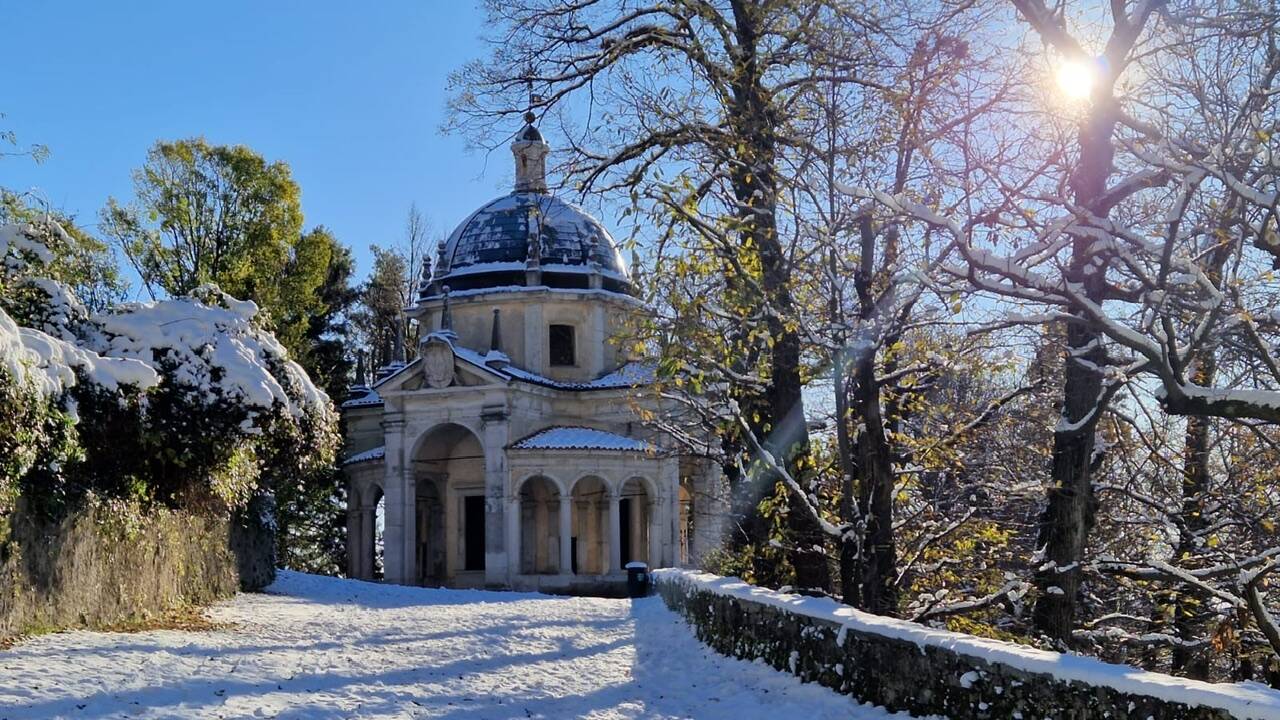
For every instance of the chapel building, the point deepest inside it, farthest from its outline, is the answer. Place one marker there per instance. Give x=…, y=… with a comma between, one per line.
x=512, y=453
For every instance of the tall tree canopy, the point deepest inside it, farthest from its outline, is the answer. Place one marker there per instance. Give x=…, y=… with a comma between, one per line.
x=206, y=213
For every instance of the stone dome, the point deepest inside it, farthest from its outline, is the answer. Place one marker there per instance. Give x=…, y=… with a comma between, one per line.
x=528, y=238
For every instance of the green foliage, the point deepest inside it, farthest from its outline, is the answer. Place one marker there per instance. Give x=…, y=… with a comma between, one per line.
x=329, y=333
x=36, y=440
x=381, y=304
x=217, y=213
x=212, y=213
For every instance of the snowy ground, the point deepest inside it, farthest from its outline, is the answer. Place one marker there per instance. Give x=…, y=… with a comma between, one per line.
x=323, y=648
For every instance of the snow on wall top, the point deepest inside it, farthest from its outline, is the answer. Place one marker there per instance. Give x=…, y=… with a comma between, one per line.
x=367, y=456
x=369, y=398
x=630, y=375
x=1243, y=700
x=633, y=374
x=580, y=438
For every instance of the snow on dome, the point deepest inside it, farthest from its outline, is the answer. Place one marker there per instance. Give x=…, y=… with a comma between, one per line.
x=491, y=247
x=581, y=438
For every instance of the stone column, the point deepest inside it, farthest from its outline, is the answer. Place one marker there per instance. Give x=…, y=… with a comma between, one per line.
x=615, y=535
x=499, y=565
x=566, y=534
x=409, y=550
x=541, y=535
x=641, y=514
x=666, y=527
x=710, y=510
x=595, y=552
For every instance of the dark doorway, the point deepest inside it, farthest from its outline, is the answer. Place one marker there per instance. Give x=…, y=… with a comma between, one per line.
x=624, y=524
x=473, y=537
x=430, y=534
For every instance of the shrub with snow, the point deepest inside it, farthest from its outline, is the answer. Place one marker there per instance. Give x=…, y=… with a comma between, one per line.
x=188, y=401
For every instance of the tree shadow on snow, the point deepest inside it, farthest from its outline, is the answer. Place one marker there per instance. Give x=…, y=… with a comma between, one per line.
x=195, y=695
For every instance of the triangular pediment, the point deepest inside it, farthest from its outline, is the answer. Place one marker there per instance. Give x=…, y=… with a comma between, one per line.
x=443, y=367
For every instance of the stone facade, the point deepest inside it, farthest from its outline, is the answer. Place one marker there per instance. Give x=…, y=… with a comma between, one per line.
x=902, y=675
x=512, y=452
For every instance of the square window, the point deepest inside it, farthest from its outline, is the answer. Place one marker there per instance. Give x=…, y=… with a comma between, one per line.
x=562, y=351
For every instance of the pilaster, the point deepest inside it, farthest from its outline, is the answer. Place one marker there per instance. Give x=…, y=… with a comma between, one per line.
x=398, y=504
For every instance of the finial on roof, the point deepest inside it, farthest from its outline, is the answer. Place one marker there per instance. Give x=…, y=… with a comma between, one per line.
x=361, y=380
x=442, y=259
x=495, y=336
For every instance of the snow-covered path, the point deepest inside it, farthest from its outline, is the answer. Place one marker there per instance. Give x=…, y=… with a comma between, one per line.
x=324, y=648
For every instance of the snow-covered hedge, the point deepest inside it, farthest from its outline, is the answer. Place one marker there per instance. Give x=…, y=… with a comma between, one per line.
x=187, y=400
x=906, y=666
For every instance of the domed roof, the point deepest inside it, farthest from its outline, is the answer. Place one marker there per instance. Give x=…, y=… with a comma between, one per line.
x=502, y=231
x=528, y=231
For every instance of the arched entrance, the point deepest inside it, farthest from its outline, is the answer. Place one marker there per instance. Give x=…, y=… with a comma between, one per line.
x=449, y=507
x=539, y=527
x=635, y=508
x=589, y=525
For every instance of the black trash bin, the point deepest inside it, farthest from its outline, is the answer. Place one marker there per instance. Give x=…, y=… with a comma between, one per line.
x=638, y=583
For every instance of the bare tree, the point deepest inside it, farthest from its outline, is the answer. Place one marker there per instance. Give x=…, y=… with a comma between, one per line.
x=1135, y=264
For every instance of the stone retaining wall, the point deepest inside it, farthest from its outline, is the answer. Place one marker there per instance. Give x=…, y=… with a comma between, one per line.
x=104, y=566
x=903, y=666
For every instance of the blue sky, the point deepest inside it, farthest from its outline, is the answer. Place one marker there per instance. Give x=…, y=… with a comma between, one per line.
x=350, y=95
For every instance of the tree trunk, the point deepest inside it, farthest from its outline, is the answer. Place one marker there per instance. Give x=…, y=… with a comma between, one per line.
x=1189, y=605
x=875, y=496
x=1069, y=513
x=754, y=179
x=850, y=542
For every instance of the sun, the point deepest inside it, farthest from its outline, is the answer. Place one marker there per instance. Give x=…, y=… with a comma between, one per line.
x=1076, y=78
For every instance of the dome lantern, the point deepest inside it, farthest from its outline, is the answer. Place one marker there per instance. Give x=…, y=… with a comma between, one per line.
x=530, y=152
